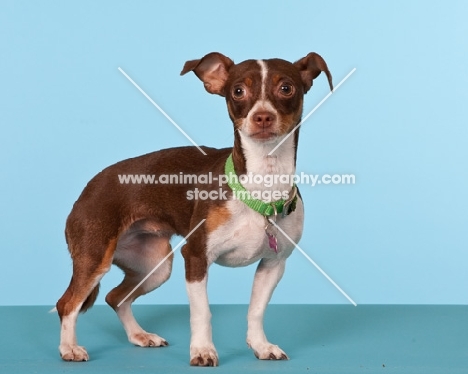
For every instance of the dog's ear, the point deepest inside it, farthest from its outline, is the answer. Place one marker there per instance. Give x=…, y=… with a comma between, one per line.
x=213, y=71
x=310, y=68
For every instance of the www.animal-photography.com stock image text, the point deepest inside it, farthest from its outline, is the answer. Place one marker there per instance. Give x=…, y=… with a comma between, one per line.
x=251, y=186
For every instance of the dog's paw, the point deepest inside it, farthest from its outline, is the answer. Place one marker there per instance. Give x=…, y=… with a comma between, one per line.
x=73, y=353
x=203, y=356
x=269, y=352
x=144, y=339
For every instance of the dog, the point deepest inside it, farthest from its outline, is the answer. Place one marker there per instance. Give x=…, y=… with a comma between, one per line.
x=130, y=225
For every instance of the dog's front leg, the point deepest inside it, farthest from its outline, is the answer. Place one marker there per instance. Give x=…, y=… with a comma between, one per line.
x=267, y=276
x=202, y=350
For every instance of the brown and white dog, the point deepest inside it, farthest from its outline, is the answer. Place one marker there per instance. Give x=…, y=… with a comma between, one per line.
x=130, y=225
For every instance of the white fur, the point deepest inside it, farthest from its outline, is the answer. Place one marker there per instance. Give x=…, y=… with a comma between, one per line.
x=242, y=239
x=264, y=74
x=141, y=254
x=69, y=349
x=269, y=273
x=256, y=151
x=261, y=105
x=259, y=163
x=201, y=343
x=135, y=333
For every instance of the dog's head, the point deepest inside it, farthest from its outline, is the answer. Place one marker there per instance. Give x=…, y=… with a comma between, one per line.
x=264, y=97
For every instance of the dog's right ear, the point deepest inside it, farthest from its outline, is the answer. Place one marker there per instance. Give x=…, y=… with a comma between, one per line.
x=213, y=71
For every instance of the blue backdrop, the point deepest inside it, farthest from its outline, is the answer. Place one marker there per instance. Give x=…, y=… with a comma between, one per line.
x=399, y=235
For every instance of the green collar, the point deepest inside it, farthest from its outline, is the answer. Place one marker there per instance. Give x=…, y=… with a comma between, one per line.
x=265, y=209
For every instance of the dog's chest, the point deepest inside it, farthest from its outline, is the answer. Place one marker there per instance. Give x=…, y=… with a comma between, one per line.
x=242, y=240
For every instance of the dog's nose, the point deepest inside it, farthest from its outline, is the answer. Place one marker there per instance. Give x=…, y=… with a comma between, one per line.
x=264, y=119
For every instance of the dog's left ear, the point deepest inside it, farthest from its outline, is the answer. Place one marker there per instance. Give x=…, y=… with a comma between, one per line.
x=213, y=71
x=310, y=68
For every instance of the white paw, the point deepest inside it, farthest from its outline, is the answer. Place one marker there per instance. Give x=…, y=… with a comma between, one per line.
x=267, y=351
x=203, y=356
x=144, y=339
x=70, y=352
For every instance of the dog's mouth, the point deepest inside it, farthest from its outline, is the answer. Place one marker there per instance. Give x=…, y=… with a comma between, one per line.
x=263, y=135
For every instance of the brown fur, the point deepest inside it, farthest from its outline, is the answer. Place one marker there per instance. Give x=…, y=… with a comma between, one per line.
x=107, y=210
x=91, y=299
x=217, y=217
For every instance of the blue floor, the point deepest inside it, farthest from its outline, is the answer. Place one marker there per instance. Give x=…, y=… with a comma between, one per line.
x=317, y=338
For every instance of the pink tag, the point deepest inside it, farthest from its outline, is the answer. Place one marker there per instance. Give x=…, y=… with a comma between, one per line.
x=273, y=242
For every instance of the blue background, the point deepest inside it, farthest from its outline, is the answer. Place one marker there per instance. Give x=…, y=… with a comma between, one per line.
x=399, y=235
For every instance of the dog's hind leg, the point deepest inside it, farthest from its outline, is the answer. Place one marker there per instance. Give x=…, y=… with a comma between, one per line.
x=88, y=269
x=138, y=255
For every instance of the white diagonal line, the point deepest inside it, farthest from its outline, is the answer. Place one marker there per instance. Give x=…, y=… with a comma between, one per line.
x=312, y=111
x=162, y=111
x=161, y=262
x=314, y=263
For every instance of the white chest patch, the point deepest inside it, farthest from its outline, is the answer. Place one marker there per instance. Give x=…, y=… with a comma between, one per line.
x=242, y=239
x=281, y=163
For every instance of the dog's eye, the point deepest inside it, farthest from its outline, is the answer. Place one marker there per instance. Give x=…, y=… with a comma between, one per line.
x=238, y=92
x=286, y=89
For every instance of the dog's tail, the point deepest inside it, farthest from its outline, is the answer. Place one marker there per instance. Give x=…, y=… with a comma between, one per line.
x=91, y=299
